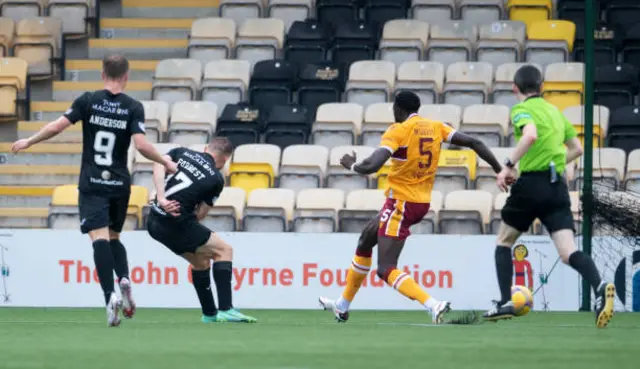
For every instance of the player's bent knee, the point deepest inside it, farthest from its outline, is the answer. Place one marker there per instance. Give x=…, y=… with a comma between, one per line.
x=99, y=234
x=384, y=270
x=113, y=235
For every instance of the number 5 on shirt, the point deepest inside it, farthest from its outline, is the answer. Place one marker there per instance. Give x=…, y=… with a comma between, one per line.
x=425, y=151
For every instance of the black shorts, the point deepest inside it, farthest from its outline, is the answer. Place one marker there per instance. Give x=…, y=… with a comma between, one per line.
x=534, y=196
x=178, y=236
x=99, y=211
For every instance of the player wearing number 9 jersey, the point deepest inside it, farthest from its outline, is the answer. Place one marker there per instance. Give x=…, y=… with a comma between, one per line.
x=413, y=145
x=110, y=119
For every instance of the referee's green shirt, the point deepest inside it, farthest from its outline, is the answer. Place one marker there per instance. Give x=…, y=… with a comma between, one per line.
x=553, y=131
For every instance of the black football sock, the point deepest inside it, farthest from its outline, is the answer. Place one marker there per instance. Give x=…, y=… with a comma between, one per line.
x=103, y=259
x=202, y=284
x=504, y=269
x=222, y=273
x=120, y=259
x=584, y=265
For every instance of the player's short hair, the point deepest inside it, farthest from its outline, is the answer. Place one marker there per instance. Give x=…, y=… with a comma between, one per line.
x=528, y=79
x=115, y=66
x=221, y=145
x=407, y=101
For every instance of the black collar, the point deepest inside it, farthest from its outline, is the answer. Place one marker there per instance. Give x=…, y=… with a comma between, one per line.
x=533, y=97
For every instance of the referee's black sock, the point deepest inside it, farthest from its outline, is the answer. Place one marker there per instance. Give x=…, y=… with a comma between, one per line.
x=222, y=273
x=103, y=259
x=504, y=268
x=120, y=259
x=202, y=283
x=584, y=265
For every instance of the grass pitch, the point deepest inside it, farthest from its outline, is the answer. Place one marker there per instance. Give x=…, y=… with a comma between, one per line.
x=175, y=339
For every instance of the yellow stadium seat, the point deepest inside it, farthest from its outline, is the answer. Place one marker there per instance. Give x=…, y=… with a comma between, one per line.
x=38, y=41
x=23, y=217
x=7, y=32
x=597, y=135
x=13, y=76
x=137, y=201
x=456, y=170
x=529, y=11
x=65, y=195
x=251, y=176
x=553, y=30
x=563, y=94
x=25, y=196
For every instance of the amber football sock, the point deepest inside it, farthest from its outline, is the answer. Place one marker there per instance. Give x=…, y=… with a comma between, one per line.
x=403, y=283
x=360, y=266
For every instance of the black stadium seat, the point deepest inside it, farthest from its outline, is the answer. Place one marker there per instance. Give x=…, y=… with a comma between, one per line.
x=318, y=84
x=623, y=12
x=241, y=123
x=307, y=42
x=616, y=85
x=631, y=46
x=607, y=42
x=354, y=41
x=272, y=83
x=378, y=12
x=287, y=125
x=624, y=128
x=336, y=12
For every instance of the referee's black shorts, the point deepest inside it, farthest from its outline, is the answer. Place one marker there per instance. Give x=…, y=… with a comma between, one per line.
x=534, y=196
x=183, y=236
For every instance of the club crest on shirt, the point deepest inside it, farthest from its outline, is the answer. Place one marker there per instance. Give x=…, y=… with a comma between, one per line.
x=68, y=111
x=141, y=125
x=520, y=116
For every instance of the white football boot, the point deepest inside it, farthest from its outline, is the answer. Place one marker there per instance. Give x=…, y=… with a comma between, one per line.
x=128, y=305
x=438, y=312
x=113, y=311
x=329, y=304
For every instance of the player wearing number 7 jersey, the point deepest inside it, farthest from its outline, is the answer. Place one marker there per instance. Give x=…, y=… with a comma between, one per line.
x=110, y=119
x=413, y=145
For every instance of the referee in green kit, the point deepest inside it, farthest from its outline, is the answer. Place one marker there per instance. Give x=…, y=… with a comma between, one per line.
x=546, y=143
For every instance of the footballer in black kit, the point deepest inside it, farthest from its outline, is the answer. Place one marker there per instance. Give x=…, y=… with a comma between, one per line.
x=182, y=200
x=197, y=181
x=110, y=120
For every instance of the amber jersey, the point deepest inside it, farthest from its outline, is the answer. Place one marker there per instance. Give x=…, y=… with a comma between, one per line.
x=415, y=145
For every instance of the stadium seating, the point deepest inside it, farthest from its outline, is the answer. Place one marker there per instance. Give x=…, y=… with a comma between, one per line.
x=303, y=166
x=295, y=84
x=465, y=212
x=254, y=166
x=7, y=32
x=13, y=77
x=316, y=210
x=426, y=79
x=192, y=122
x=563, y=84
x=227, y=212
x=268, y=210
x=337, y=124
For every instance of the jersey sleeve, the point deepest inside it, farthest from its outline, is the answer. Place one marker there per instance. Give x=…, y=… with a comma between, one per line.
x=78, y=109
x=215, y=193
x=175, y=153
x=569, y=130
x=446, y=131
x=137, y=120
x=392, y=138
x=520, y=117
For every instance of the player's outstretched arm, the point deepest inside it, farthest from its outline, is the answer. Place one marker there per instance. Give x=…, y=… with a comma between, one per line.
x=370, y=165
x=461, y=139
x=148, y=151
x=50, y=130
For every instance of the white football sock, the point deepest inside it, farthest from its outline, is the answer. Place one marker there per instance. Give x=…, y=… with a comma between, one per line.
x=342, y=304
x=431, y=303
